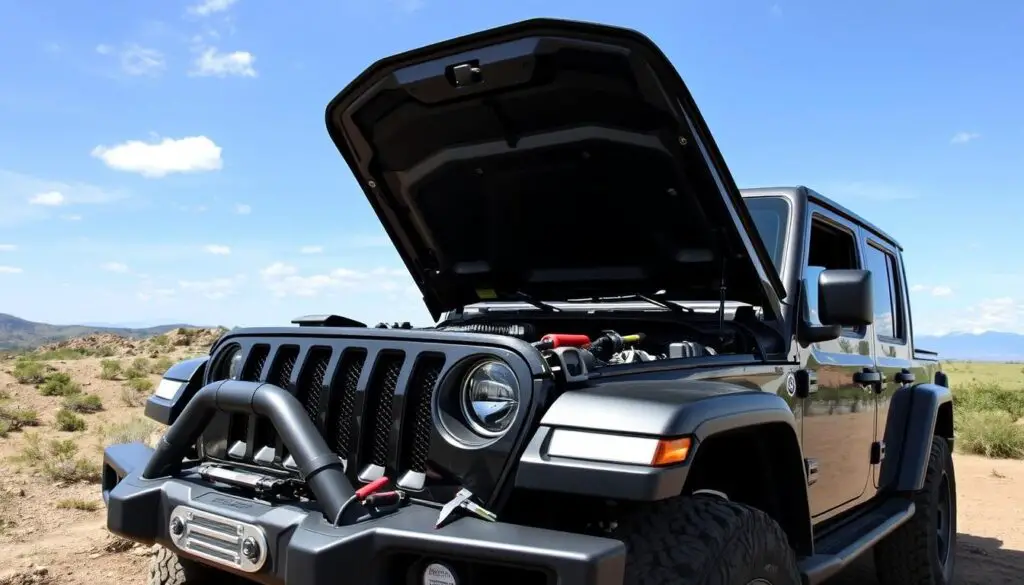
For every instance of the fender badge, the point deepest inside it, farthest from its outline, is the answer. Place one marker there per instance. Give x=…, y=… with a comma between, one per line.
x=791, y=385
x=438, y=574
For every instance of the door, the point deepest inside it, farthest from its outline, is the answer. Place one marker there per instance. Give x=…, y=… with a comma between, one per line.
x=839, y=419
x=891, y=334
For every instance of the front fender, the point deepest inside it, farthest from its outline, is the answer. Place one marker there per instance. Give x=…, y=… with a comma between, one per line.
x=916, y=414
x=698, y=409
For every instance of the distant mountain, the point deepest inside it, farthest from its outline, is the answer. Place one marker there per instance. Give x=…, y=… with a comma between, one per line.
x=989, y=346
x=17, y=333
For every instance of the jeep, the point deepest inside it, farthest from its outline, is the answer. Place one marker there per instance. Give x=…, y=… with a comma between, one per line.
x=636, y=374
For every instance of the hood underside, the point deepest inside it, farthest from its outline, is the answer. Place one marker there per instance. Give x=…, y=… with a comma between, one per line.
x=552, y=159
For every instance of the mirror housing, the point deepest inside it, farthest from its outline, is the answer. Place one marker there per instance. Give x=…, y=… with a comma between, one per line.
x=845, y=298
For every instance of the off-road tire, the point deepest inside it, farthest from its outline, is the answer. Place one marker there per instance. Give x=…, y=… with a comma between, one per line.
x=705, y=540
x=910, y=555
x=167, y=568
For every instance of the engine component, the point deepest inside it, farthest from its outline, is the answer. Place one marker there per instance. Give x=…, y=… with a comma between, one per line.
x=631, y=356
x=556, y=340
x=521, y=331
x=610, y=343
x=688, y=349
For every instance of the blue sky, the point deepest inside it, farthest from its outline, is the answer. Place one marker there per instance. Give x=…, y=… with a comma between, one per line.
x=168, y=160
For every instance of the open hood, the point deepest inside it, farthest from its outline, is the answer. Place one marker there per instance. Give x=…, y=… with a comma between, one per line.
x=552, y=159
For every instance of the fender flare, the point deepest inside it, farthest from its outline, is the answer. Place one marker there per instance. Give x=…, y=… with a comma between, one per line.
x=916, y=414
x=177, y=387
x=698, y=409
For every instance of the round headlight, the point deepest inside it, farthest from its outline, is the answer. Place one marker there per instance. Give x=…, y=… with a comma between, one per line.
x=235, y=364
x=490, y=398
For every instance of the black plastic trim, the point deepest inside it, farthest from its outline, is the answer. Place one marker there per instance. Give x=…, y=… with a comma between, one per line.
x=913, y=415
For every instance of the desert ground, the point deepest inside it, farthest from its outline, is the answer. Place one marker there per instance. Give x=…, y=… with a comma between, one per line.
x=52, y=432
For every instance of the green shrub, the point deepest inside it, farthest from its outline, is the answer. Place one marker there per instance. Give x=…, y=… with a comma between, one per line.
x=984, y=396
x=13, y=419
x=59, y=384
x=110, y=369
x=63, y=353
x=84, y=403
x=139, y=385
x=78, y=504
x=59, y=460
x=69, y=422
x=161, y=365
x=992, y=433
x=29, y=371
x=139, y=368
x=161, y=340
x=135, y=430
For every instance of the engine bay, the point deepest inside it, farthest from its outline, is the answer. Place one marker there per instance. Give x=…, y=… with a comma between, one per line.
x=610, y=339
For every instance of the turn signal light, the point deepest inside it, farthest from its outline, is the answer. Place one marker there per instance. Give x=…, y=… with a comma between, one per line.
x=670, y=451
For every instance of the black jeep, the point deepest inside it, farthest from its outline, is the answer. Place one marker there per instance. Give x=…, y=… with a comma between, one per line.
x=638, y=374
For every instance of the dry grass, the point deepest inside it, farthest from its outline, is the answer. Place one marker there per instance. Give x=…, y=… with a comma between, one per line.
x=988, y=408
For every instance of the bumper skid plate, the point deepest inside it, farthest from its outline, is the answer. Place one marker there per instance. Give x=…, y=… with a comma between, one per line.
x=298, y=545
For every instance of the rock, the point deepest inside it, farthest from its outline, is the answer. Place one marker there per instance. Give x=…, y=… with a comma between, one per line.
x=95, y=555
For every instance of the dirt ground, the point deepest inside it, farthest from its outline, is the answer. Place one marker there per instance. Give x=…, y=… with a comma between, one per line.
x=48, y=534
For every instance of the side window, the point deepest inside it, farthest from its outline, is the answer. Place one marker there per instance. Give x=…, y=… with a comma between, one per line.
x=830, y=247
x=886, y=292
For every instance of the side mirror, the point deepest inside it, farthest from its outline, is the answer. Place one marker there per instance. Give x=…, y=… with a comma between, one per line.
x=845, y=298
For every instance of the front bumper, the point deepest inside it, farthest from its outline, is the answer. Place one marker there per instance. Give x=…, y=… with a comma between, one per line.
x=295, y=544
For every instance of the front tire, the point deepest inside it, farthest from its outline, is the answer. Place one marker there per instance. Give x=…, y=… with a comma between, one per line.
x=167, y=568
x=923, y=551
x=705, y=540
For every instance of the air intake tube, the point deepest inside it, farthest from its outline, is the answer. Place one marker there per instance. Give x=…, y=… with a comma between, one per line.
x=318, y=465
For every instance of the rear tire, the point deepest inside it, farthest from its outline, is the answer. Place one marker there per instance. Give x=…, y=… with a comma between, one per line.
x=923, y=551
x=705, y=540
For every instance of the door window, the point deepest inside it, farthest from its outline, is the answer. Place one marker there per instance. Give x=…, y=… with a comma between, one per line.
x=885, y=290
x=830, y=247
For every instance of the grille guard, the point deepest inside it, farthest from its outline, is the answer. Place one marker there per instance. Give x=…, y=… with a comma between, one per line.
x=318, y=465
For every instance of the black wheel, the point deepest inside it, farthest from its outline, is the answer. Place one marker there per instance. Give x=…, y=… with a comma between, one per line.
x=923, y=551
x=167, y=568
x=705, y=540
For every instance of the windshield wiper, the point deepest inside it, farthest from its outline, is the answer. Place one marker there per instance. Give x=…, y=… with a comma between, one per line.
x=535, y=302
x=638, y=297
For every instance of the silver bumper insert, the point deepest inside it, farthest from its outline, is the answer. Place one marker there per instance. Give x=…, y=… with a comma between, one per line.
x=218, y=539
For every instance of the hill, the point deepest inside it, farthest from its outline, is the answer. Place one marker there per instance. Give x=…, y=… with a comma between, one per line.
x=988, y=346
x=17, y=333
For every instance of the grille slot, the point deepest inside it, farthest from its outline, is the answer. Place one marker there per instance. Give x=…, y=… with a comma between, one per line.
x=312, y=380
x=416, y=438
x=380, y=397
x=284, y=363
x=255, y=362
x=343, y=398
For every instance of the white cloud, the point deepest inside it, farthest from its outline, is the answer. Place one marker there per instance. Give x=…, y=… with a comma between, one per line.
x=140, y=61
x=213, y=289
x=115, y=267
x=311, y=250
x=218, y=250
x=212, y=63
x=158, y=159
x=243, y=209
x=8, y=247
x=964, y=137
x=48, y=198
x=284, y=280
x=18, y=190
x=935, y=291
x=207, y=7
x=10, y=270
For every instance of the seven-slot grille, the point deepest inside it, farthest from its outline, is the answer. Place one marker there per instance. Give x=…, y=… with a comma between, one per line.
x=372, y=405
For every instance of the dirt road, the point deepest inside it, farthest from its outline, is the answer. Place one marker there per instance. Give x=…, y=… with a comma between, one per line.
x=43, y=539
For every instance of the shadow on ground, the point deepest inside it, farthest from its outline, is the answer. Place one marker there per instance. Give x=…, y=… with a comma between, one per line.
x=979, y=561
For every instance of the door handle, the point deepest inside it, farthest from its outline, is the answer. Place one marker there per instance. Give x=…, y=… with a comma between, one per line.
x=867, y=376
x=905, y=377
